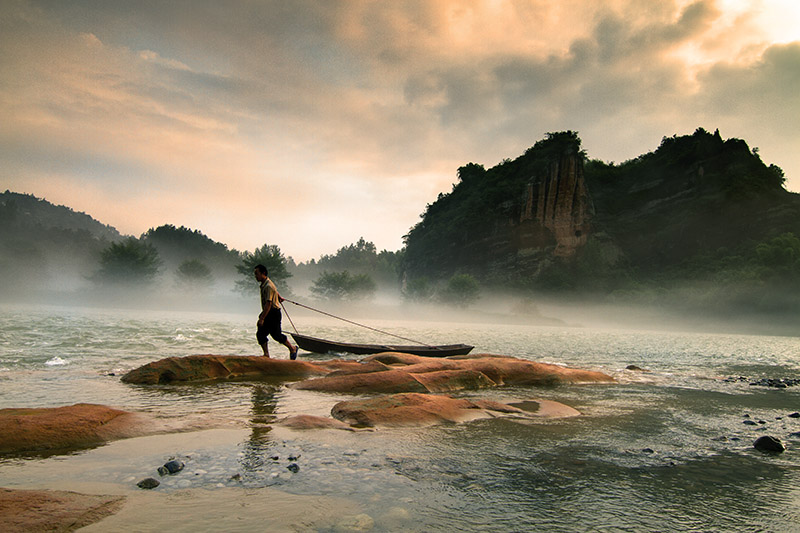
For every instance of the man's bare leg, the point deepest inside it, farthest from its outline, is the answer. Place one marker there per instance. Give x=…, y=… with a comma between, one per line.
x=292, y=349
x=266, y=349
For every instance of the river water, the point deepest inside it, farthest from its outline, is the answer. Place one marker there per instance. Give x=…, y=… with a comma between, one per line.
x=670, y=449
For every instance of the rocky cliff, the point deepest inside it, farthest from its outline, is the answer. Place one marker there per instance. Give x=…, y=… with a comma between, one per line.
x=558, y=208
x=553, y=213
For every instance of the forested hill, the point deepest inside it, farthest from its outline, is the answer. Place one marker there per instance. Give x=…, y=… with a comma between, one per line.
x=698, y=208
x=25, y=211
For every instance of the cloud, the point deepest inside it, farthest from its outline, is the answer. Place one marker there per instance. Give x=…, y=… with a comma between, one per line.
x=345, y=119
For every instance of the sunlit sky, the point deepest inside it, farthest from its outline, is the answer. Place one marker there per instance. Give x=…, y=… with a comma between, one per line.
x=309, y=124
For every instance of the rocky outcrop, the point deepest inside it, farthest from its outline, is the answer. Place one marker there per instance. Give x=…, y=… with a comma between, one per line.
x=71, y=427
x=222, y=367
x=413, y=409
x=408, y=373
x=385, y=373
x=557, y=210
x=53, y=510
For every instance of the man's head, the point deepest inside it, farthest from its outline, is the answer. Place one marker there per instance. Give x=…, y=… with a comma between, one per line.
x=260, y=272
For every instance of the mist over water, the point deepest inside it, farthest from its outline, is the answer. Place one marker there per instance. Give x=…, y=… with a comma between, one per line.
x=665, y=449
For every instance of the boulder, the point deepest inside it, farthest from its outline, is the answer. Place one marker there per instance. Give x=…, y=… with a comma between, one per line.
x=51, y=510
x=412, y=373
x=386, y=382
x=70, y=427
x=221, y=367
x=389, y=372
x=768, y=443
x=414, y=409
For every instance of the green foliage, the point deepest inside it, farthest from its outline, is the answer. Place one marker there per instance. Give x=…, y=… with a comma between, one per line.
x=462, y=290
x=270, y=256
x=343, y=286
x=129, y=262
x=780, y=258
x=419, y=290
x=193, y=274
x=457, y=228
x=184, y=242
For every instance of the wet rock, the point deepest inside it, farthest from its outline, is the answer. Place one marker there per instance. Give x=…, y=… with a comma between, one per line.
x=414, y=409
x=777, y=383
x=431, y=374
x=171, y=467
x=74, y=426
x=768, y=443
x=794, y=415
x=634, y=368
x=386, y=373
x=53, y=510
x=750, y=423
x=293, y=468
x=148, y=483
x=220, y=367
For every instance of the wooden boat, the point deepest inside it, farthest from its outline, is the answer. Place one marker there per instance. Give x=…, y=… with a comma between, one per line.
x=315, y=345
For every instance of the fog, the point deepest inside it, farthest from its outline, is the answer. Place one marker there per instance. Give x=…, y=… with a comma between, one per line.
x=48, y=286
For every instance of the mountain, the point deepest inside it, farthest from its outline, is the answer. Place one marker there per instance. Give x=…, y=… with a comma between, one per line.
x=693, y=209
x=28, y=213
x=41, y=242
x=48, y=247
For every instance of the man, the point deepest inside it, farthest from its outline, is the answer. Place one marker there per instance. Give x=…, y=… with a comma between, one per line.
x=269, y=321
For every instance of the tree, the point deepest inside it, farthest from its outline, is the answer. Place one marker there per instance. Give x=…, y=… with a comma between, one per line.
x=461, y=291
x=271, y=257
x=130, y=262
x=780, y=257
x=193, y=274
x=418, y=290
x=343, y=286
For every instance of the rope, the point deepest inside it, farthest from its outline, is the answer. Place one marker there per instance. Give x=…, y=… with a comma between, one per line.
x=287, y=316
x=357, y=324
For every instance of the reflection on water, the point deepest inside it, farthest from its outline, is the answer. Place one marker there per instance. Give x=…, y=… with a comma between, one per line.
x=262, y=414
x=664, y=450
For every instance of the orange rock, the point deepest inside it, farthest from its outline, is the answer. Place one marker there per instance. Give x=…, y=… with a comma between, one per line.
x=410, y=409
x=221, y=367
x=75, y=426
x=386, y=382
x=51, y=510
x=414, y=409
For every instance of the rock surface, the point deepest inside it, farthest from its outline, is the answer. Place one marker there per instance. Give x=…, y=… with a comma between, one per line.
x=75, y=426
x=388, y=373
x=50, y=510
x=410, y=373
x=221, y=367
x=768, y=443
x=415, y=409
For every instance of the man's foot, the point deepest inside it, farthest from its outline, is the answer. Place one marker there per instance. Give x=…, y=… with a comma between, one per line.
x=293, y=353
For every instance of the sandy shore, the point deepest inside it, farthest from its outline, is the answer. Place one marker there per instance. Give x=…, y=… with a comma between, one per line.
x=114, y=469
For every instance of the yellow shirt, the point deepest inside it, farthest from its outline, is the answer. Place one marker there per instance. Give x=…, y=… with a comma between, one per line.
x=269, y=293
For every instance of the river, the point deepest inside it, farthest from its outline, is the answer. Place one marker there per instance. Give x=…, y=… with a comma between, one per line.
x=668, y=449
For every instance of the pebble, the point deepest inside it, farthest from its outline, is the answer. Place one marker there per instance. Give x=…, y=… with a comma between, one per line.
x=768, y=443
x=777, y=383
x=148, y=483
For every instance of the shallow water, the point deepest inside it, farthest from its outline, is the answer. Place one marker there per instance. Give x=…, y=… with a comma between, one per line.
x=664, y=450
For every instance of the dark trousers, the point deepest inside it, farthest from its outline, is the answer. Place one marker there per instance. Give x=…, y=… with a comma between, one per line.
x=271, y=327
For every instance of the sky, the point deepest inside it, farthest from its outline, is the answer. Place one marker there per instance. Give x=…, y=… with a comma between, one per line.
x=309, y=124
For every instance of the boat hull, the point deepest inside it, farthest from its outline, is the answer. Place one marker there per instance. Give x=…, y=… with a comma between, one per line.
x=316, y=345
